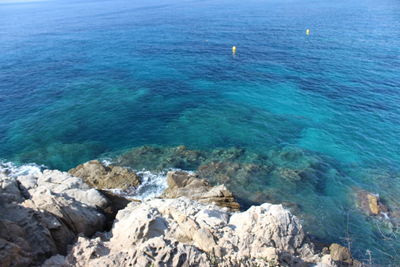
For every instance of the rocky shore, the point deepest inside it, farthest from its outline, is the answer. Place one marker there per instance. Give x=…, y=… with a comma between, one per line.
x=53, y=218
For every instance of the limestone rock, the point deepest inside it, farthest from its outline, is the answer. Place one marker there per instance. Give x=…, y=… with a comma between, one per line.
x=9, y=190
x=100, y=176
x=65, y=218
x=182, y=232
x=64, y=184
x=186, y=184
x=24, y=237
x=42, y=214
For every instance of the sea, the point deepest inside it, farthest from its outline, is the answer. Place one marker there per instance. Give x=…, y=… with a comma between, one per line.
x=306, y=120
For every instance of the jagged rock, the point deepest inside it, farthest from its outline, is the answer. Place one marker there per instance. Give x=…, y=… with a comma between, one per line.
x=24, y=237
x=186, y=184
x=42, y=214
x=64, y=184
x=100, y=176
x=65, y=217
x=9, y=191
x=182, y=232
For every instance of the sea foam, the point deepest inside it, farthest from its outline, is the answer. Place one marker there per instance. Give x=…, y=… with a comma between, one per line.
x=14, y=170
x=153, y=185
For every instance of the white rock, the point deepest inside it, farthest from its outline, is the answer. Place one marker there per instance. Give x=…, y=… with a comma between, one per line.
x=42, y=213
x=172, y=232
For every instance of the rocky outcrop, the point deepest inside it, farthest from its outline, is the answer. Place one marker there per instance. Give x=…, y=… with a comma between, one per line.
x=187, y=184
x=61, y=184
x=385, y=215
x=193, y=224
x=370, y=203
x=42, y=214
x=182, y=232
x=100, y=176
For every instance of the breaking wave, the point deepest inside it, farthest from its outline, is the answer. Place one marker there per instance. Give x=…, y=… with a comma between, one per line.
x=14, y=170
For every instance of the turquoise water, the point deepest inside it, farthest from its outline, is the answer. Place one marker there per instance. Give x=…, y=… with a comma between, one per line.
x=84, y=79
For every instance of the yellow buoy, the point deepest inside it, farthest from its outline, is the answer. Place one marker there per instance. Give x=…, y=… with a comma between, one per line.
x=308, y=31
x=233, y=49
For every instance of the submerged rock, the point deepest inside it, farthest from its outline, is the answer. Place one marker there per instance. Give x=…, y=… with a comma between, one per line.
x=289, y=174
x=156, y=158
x=232, y=173
x=385, y=219
x=160, y=158
x=182, y=232
x=296, y=165
x=100, y=176
x=369, y=203
x=185, y=184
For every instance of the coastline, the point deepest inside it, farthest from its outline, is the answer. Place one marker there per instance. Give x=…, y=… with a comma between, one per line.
x=190, y=223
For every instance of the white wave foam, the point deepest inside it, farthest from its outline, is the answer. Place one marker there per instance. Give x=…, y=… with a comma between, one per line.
x=14, y=170
x=153, y=185
x=106, y=162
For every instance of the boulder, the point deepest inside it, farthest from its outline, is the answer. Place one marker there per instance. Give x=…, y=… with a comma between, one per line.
x=42, y=214
x=340, y=253
x=187, y=184
x=62, y=184
x=182, y=232
x=369, y=203
x=65, y=217
x=24, y=240
x=100, y=176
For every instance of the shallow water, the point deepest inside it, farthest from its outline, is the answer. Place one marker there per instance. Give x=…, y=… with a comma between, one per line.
x=88, y=79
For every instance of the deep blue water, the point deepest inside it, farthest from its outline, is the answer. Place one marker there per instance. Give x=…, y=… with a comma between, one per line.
x=82, y=79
